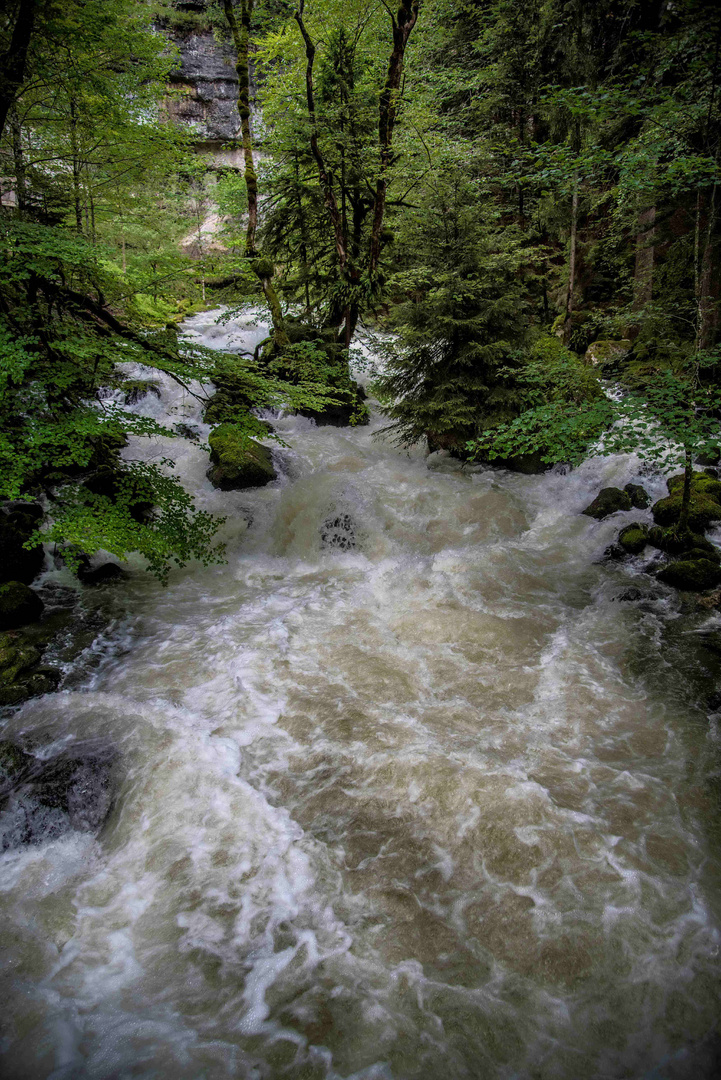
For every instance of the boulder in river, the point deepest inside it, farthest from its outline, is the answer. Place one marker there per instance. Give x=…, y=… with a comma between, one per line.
x=691, y=575
x=19, y=604
x=21, y=673
x=609, y=501
x=633, y=538
x=672, y=543
x=640, y=498
x=42, y=799
x=703, y=511
x=237, y=461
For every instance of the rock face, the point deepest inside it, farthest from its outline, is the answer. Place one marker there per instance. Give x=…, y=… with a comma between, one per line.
x=42, y=800
x=238, y=461
x=21, y=674
x=608, y=501
x=205, y=83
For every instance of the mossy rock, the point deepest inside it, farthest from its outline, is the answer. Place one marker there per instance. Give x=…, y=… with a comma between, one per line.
x=712, y=553
x=18, y=521
x=691, y=575
x=608, y=355
x=16, y=656
x=701, y=482
x=703, y=510
x=609, y=501
x=672, y=543
x=15, y=764
x=640, y=498
x=18, y=605
x=237, y=461
x=633, y=538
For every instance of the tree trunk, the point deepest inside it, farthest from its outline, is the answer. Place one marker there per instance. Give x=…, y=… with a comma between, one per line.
x=326, y=186
x=572, y=258
x=18, y=162
x=76, y=168
x=682, y=527
x=261, y=267
x=403, y=23
x=13, y=61
x=707, y=307
x=645, y=254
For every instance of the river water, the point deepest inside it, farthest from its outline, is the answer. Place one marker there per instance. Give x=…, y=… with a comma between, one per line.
x=406, y=790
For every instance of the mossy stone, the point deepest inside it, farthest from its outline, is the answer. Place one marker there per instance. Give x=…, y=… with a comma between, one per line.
x=703, y=511
x=14, y=764
x=701, y=483
x=607, y=354
x=691, y=575
x=18, y=605
x=633, y=538
x=237, y=460
x=640, y=498
x=672, y=543
x=609, y=501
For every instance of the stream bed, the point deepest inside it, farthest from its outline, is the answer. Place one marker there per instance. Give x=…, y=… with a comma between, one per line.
x=408, y=791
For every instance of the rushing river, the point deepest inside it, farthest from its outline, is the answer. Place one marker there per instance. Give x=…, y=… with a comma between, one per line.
x=407, y=791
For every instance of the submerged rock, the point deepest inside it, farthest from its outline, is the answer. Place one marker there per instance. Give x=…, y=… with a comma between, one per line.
x=102, y=575
x=339, y=532
x=42, y=800
x=609, y=501
x=237, y=461
x=18, y=605
x=640, y=498
x=691, y=575
x=21, y=675
x=633, y=538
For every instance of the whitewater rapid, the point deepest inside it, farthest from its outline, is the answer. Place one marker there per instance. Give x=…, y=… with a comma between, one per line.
x=435, y=802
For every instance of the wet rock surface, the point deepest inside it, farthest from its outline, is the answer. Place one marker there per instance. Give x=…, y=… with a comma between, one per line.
x=610, y=500
x=238, y=461
x=41, y=799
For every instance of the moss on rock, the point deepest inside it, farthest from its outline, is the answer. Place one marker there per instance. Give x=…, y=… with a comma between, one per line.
x=640, y=498
x=237, y=461
x=672, y=543
x=703, y=510
x=701, y=483
x=691, y=575
x=633, y=538
x=609, y=501
x=608, y=355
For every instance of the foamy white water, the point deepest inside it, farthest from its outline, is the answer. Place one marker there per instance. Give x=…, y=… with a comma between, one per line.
x=420, y=800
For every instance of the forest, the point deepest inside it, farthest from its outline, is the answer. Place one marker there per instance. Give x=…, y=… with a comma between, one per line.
x=314, y=315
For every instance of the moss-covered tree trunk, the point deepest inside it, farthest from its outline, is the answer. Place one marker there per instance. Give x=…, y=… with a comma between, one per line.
x=262, y=268
x=682, y=526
